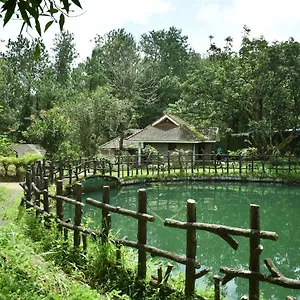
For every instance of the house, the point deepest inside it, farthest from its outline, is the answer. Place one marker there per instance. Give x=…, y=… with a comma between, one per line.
x=169, y=133
x=23, y=149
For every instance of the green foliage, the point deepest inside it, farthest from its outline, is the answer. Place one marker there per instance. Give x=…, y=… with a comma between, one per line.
x=5, y=145
x=24, y=274
x=18, y=164
x=31, y=12
x=181, y=159
x=250, y=152
x=49, y=129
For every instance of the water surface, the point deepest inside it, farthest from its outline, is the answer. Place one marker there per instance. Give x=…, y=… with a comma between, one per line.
x=218, y=203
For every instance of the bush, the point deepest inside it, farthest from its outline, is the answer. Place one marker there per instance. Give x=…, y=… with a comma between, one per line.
x=17, y=165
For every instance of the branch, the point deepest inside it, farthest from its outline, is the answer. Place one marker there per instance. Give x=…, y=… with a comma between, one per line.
x=275, y=278
x=223, y=231
x=158, y=252
x=121, y=211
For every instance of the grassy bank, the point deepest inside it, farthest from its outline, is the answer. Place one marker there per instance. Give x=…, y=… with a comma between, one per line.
x=37, y=263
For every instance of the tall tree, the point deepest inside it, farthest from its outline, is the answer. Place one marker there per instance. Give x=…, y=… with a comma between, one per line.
x=169, y=54
x=64, y=55
x=253, y=90
x=23, y=75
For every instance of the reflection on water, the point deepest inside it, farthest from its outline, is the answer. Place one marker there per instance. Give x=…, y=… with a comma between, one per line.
x=219, y=203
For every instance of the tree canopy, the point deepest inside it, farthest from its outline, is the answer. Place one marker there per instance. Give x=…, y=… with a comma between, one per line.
x=127, y=83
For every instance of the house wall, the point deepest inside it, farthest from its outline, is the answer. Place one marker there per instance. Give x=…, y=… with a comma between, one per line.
x=207, y=147
x=161, y=148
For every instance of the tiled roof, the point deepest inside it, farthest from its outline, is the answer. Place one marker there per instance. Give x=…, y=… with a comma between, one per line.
x=164, y=134
x=169, y=132
x=115, y=143
x=22, y=149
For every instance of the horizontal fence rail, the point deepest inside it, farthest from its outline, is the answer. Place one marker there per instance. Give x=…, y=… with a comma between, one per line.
x=36, y=193
x=163, y=165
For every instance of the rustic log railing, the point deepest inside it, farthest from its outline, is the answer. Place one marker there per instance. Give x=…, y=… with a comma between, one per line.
x=163, y=165
x=36, y=192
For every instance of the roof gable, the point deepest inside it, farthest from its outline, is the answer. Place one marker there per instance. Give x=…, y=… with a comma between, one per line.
x=160, y=131
x=165, y=119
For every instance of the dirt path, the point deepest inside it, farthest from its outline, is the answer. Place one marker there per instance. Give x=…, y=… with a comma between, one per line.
x=14, y=191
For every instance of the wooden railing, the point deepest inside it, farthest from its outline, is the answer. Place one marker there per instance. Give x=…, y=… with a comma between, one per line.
x=36, y=192
x=166, y=165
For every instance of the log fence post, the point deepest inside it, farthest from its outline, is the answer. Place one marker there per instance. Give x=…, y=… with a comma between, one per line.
x=217, y=280
x=95, y=166
x=105, y=215
x=128, y=174
x=142, y=234
x=51, y=172
x=255, y=251
x=61, y=170
x=158, y=163
x=45, y=194
x=59, y=203
x=119, y=165
x=70, y=172
x=169, y=162
x=78, y=214
x=44, y=167
x=84, y=167
x=240, y=163
x=28, y=184
x=191, y=248
x=215, y=163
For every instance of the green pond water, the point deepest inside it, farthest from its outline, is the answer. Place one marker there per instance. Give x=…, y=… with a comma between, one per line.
x=217, y=203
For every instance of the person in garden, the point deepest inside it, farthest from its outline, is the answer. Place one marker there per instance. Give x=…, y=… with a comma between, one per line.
x=219, y=153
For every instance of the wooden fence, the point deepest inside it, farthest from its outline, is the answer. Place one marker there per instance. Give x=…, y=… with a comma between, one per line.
x=163, y=166
x=36, y=195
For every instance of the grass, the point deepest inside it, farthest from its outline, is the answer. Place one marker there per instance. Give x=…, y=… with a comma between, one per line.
x=3, y=194
x=24, y=274
x=37, y=263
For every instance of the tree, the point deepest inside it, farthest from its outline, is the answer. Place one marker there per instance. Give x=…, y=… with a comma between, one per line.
x=97, y=117
x=169, y=54
x=50, y=129
x=253, y=90
x=117, y=63
x=23, y=77
x=64, y=55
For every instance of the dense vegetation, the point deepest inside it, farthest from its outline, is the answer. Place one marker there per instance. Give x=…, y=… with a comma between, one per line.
x=125, y=83
x=37, y=263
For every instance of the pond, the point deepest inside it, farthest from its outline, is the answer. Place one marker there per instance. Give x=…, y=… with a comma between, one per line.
x=218, y=203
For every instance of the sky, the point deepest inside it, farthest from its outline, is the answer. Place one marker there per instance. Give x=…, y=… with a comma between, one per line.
x=198, y=19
